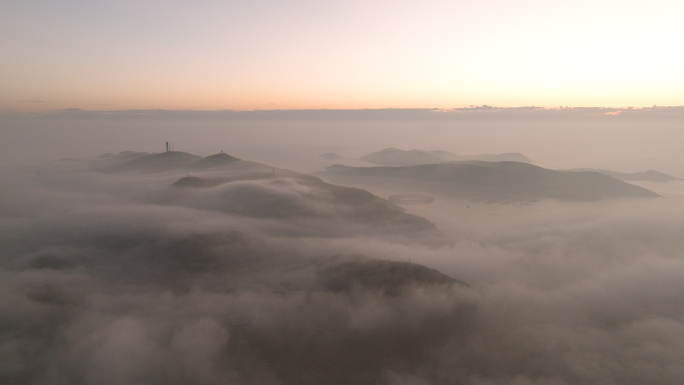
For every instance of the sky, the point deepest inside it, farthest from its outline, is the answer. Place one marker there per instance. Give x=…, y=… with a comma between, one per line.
x=264, y=54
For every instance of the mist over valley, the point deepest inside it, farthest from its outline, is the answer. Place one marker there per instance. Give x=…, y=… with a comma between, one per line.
x=272, y=264
x=341, y=193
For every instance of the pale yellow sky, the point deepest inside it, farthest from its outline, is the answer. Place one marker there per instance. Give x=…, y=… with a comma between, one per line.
x=209, y=55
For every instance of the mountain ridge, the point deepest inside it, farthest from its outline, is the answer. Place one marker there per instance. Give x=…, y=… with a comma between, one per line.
x=649, y=175
x=491, y=180
x=396, y=157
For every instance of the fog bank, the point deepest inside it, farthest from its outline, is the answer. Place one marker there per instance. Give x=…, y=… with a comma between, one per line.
x=261, y=275
x=623, y=140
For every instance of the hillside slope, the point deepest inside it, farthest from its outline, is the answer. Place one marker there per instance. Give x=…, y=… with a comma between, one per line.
x=396, y=157
x=491, y=180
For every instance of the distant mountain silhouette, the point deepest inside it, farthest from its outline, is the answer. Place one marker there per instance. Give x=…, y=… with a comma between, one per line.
x=505, y=157
x=163, y=161
x=490, y=181
x=649, y=176
x=330, y=155
x=124, y=155
x=220, y=159
x=197, y=182
x=396, y=157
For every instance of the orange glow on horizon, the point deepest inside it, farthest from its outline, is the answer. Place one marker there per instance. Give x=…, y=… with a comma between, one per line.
x=356, y=55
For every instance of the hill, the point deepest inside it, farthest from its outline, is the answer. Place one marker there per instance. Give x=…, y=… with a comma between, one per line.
x=396, y=157
x=216, y=160
x=292, y=196
x=160, y=162
x=330, y=155
x=490, y=181
x=647, y=176
x=344, y=274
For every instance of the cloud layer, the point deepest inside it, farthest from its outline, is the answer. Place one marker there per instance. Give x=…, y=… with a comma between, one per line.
x=119, y=278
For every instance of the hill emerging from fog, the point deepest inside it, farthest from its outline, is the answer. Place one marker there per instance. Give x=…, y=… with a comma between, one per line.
x=330, y=155
x=216, y=160
x=346, y=273
x=224, y=184
x=647, y=176
x=160, y=162
x=224, y=276
x=501, y=181
x=396, y=157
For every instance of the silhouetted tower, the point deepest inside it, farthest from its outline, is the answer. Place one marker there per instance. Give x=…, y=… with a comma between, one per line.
x=167, y=146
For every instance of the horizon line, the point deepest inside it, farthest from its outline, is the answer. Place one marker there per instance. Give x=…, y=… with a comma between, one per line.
x=609, y=110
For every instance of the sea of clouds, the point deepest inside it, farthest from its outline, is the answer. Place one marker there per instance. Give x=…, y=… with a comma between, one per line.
x=118, y=278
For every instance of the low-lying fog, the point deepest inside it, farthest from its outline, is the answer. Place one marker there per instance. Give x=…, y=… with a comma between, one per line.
x=625, y=140
x=247, y=273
